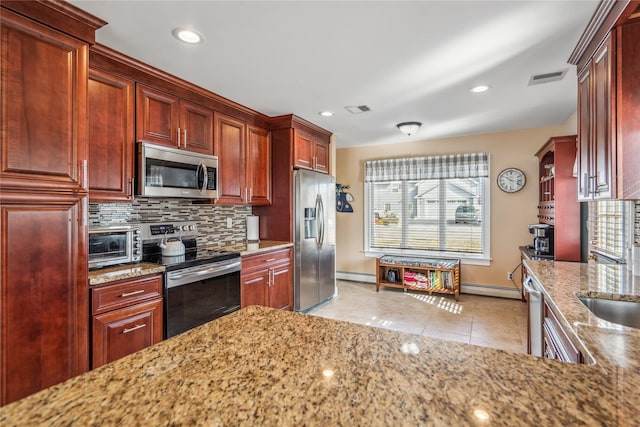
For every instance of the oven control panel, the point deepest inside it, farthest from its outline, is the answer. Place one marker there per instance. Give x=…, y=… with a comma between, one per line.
x=157, y=230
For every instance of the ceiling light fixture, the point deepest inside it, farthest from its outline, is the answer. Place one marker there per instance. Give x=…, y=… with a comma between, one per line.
x=480, y=88
x=409, y=127
x=188, y=36
x=326, y=113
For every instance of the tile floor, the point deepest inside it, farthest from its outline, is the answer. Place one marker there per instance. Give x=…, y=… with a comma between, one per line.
x=486, y=321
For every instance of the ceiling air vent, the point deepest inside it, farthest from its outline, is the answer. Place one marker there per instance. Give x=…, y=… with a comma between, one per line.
x=538, y=79
x=357, y=109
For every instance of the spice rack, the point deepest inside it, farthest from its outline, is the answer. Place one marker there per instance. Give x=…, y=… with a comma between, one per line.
x=433, y=275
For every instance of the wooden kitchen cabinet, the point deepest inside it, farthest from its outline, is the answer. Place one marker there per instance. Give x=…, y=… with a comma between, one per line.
x=111, y=137
x=258, y=169
x=293, y=139
x=558, y=199
x=267, y=279
x=44, y=298
x=44, y=103
x=168, y=120
x=244, y=154
x=608, y=63
x=310, y=152
x=126, y=317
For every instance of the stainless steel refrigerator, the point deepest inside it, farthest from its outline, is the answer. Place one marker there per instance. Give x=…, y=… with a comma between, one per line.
x=314, y=207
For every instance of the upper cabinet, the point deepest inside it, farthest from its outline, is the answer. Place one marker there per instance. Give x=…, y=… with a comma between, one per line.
x=310, y=152
x=608, y=62
x=169, y=120
x=44, y=104
x=111, y=137
x=244, y=155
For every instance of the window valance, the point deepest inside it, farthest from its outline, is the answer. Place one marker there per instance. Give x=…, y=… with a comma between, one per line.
x=468, y=165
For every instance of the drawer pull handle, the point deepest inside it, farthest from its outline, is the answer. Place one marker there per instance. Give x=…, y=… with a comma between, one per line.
x=135, y=328
x=270, y=259
x=128, y=294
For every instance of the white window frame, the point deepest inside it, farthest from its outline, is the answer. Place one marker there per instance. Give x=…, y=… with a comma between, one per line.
x=483, y=259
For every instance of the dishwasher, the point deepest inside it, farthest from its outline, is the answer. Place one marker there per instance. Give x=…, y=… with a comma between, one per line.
x=535, y=317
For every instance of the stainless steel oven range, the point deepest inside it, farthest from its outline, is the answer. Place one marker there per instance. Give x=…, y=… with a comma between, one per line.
x=200, y=285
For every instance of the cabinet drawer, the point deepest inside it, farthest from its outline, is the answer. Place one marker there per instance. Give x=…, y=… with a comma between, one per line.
x=266, y=259
x=124, y=293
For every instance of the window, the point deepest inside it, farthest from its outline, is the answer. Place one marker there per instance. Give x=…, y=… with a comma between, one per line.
x=610, y=225
x=434, y=206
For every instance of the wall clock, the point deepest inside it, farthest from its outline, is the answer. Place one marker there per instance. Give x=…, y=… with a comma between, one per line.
x=511, y=180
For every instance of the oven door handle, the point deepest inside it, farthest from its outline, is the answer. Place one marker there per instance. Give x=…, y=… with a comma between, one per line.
x=177, y=279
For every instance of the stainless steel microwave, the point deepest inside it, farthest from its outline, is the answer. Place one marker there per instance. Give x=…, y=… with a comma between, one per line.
x=170, y=172
x=120, y=244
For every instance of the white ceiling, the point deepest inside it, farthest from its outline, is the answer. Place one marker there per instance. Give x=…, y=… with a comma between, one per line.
x=406, y=60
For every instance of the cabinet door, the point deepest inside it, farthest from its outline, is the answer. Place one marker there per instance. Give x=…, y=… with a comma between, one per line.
x=303, y=150
x=584, y=137
x=156, y=116
x=258, y=168
x=196, y=125
x=124, y=331
x=321, y=159
x=253, y=288
x=281, y=287
x=628, y=110
x=44, y=302
x=43, y=86
x=603, y=127
x=111, y=137
x=229, y=146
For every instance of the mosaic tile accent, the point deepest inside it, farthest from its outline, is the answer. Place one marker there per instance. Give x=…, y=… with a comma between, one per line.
x=212, y=220
x=636, y=234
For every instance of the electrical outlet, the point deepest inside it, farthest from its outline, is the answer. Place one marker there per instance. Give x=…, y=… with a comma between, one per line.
x=509, y=275
x=229, y=222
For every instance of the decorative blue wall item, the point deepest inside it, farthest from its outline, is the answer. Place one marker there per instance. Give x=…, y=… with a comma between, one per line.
x=343, y=198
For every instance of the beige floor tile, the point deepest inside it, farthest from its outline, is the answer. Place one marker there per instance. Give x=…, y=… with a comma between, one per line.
x=486, y=321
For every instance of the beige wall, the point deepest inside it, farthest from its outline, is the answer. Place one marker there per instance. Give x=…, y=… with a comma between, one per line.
x=510, y=213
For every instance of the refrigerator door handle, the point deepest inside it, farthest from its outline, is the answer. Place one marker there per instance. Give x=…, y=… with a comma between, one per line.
x=321, y=212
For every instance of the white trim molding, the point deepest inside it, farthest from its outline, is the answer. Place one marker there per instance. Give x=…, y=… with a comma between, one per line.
x=356, y=277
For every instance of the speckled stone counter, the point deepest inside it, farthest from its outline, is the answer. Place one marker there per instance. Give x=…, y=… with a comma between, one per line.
x=119, y=272
x=261, y=366
x=614, y=348
x=255, y=248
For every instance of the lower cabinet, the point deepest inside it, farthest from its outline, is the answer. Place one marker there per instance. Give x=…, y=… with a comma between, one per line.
x=267, y=279
x=126, y=317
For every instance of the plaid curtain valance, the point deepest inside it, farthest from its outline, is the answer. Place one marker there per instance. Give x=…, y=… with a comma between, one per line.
x=469, y=165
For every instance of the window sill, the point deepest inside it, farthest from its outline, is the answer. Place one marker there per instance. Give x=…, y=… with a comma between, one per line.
x=464, y=259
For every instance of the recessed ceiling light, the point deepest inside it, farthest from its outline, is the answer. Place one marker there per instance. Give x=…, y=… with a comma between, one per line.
x=188, y=36
x=480, y=88
x=326, y=113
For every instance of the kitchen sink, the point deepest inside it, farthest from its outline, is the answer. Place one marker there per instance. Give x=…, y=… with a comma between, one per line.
x=625, y=313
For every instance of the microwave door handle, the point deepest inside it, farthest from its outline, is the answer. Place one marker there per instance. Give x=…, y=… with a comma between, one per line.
x=202, y=171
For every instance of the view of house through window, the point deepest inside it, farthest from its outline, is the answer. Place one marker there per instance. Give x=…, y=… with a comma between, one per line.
x=434, y=216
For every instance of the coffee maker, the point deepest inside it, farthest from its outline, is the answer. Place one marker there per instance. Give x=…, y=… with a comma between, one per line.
x=543, y=238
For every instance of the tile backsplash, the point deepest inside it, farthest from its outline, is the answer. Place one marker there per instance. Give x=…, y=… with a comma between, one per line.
x=212, y=220
x=636, y=225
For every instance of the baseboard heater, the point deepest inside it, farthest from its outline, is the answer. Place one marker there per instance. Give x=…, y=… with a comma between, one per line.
x=465, y=288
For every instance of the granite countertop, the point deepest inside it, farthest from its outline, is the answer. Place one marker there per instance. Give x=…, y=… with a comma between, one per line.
x=119, y=272
x=261, y=366
x=614, y=348
x=256, y=248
